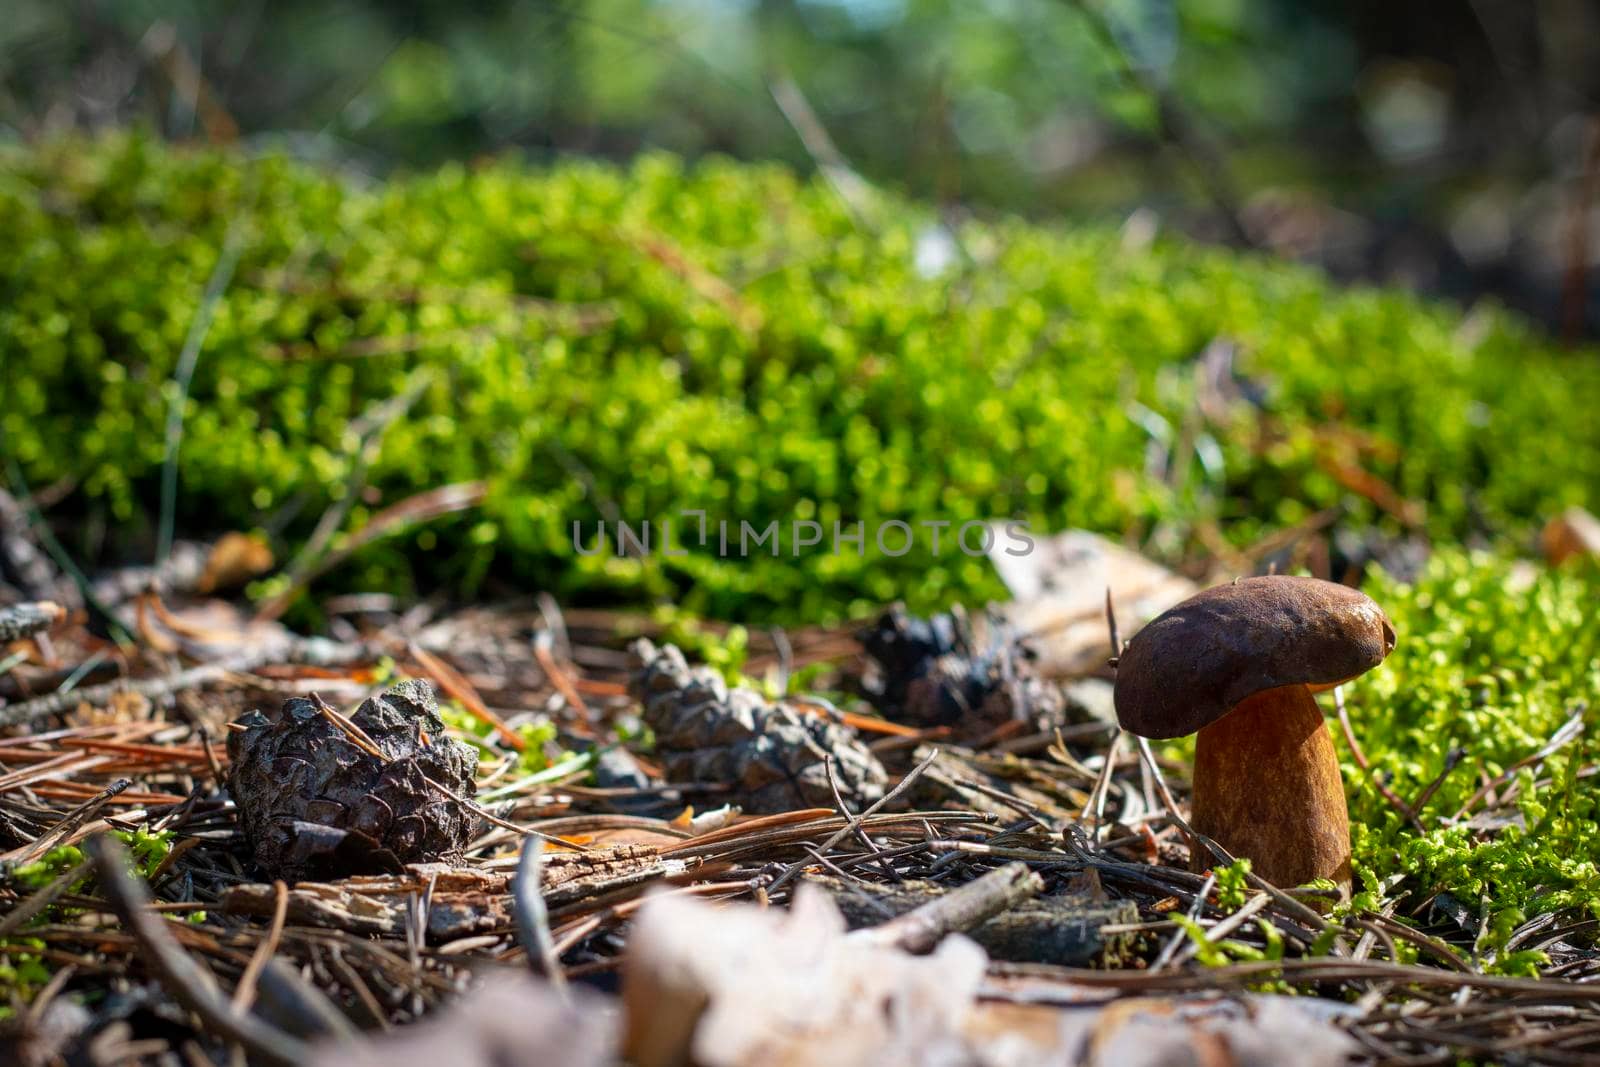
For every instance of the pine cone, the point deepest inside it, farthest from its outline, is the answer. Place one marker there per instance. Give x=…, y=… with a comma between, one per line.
x=931, y=672
x=774, y=755
x=314, y=804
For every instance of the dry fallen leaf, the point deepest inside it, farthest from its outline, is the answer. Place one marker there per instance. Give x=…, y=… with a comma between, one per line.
x=513, y=1021
x=1252, y=1031
x=1060, y=596
x=234, y=560
x=740, y=987
x=1572, y=533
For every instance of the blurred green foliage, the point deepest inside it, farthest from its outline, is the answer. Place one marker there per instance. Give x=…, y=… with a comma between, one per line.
x=600, y=342
x=1432, y=146
x=995, y=102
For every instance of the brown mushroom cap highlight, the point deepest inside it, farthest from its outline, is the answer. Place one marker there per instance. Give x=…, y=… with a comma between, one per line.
x=1237, y=665
x=1191, y=665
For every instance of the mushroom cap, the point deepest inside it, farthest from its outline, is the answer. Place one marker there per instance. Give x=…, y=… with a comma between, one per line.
x=1193, y=663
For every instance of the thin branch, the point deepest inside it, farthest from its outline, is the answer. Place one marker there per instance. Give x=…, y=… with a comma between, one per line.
x=852, y=190
x=1360, y=757
x=970, y=906
x=244, y=994
x=188, y=358
x=1095, y=805
x=151, y=688
x=853, y=822
x=1178, y=127
x=533, y=918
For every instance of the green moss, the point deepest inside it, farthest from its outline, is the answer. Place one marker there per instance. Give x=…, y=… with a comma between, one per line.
x=538, y=736
x=32, y=877
x=23, y=972
x=1492, y=661
x=727, y=651
x=1232, y=884
x=149, y=850
x=596, y=342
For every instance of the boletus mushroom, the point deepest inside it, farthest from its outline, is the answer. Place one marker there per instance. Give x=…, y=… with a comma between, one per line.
x=1238, y=664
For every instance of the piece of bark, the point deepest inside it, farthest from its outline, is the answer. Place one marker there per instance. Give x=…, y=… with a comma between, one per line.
x=25, y=620
x=380, y=906
x=570, y=877
x=1064, y=930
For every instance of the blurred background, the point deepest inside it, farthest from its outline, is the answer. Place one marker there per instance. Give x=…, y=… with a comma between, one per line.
x=1451, y=147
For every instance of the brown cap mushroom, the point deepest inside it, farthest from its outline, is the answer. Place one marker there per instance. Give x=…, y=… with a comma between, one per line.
x=1238, y=664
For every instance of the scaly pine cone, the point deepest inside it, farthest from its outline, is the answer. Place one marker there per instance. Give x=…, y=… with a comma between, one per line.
x=774, y=755
x=312, y=803
x=931, y=672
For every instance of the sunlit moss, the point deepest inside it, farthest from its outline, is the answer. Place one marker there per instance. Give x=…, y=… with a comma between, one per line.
x=596, y=341
x=1492, y=660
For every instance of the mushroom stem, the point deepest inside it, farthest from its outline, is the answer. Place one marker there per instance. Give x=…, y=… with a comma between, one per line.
x=1267, y=786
